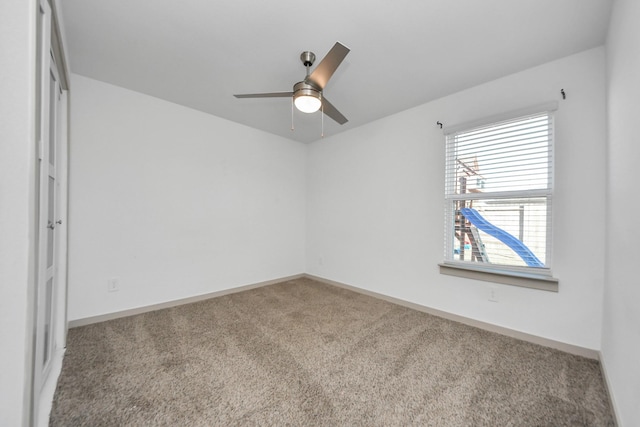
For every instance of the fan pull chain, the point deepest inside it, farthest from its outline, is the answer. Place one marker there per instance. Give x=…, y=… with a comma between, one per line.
x=292, y=128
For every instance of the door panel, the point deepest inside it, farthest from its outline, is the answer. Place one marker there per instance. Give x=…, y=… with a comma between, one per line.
x=46, y=288
x=45, y=208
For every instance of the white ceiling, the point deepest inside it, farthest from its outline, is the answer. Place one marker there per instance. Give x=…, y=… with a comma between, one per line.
x=404, y=53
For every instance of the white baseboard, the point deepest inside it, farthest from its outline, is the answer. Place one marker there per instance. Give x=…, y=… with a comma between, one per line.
x=546, y=342
x=607, y=384
x=175, y=303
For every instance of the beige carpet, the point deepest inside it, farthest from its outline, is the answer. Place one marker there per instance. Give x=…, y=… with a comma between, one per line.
x=303, y=353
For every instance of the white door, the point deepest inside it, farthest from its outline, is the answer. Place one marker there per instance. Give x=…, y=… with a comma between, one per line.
x=50, y=318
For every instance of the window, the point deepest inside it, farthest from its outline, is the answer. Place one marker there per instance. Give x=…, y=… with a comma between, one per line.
x=499, y=187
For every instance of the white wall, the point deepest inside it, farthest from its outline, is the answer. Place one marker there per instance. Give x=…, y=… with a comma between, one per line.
x=17, y=195
x=375, y=204
x=621, y=325
x=175, y=202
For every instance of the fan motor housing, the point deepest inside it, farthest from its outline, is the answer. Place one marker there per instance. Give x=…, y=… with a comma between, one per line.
x=306, y=89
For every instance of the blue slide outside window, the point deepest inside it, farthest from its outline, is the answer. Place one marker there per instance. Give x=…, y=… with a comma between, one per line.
x=508, y=239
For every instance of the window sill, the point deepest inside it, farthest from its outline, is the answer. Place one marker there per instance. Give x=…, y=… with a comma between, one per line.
x=524, y=280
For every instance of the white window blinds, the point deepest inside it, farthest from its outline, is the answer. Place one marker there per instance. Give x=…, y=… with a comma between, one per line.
x=499, y=185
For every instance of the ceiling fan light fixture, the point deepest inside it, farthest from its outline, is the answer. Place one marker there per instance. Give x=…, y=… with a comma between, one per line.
x=306, y=98
x=307, y=103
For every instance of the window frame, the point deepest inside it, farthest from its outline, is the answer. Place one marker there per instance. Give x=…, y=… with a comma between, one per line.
x=531, y=277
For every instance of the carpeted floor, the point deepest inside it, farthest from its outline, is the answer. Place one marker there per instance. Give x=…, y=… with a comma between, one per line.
x=303, y=353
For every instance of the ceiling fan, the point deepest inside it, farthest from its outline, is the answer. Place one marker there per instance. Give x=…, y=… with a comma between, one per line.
x=307, y=94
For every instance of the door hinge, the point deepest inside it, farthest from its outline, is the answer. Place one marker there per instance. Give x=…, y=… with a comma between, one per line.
x=40, y=149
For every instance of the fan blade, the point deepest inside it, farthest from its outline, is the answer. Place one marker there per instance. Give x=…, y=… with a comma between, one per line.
x=265, y=95
x=328, y=65
x=333, y=112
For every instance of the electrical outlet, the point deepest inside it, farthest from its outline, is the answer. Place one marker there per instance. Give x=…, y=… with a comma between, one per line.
x=321, y=260
x=493, y=294
x=113, y=284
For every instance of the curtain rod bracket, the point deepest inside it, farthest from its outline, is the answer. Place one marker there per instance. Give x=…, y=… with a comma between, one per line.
x=439, y=124
x=564, y=95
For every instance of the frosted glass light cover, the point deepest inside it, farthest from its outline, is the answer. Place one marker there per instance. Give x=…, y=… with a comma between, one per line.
x=307, y=104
